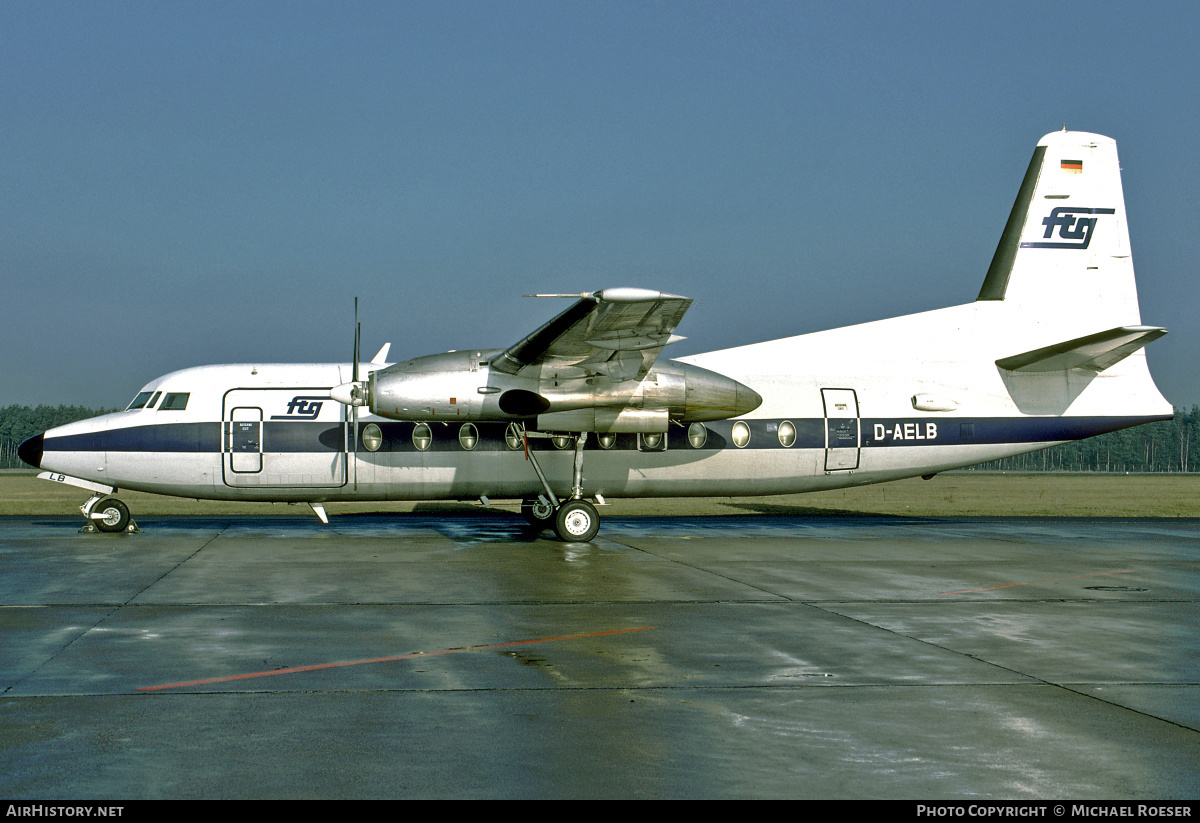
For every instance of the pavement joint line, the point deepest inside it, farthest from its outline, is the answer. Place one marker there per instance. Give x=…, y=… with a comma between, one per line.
x=814, y=682
x=710, y=571
x=111, y=610
x=166, y=572
x=1033, y=677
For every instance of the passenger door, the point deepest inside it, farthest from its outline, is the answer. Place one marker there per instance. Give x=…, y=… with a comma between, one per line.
x=841, y=429
x=284, y=438
x=243, y=437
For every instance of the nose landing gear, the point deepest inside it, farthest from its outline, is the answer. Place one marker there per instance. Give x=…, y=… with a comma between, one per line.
x=107, y=514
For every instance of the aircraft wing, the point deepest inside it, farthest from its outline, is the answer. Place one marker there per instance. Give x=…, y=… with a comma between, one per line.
x=616, y=332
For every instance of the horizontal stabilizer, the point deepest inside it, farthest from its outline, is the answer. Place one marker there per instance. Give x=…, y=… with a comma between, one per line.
x=1095, y=351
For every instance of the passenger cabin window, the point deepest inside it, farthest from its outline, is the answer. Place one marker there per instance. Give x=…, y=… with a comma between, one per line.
x=176, y=401
x=139, y=402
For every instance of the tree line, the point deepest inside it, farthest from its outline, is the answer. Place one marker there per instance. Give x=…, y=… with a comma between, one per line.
x=18, y=423
x=1165, y=446
x=1156, y=447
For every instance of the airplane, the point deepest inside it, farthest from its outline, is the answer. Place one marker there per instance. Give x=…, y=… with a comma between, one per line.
x=584, y=408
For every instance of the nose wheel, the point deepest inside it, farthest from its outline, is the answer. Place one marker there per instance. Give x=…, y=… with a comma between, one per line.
x=107, y=514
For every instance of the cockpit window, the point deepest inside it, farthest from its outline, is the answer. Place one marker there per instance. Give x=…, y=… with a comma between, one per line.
x=153, y=400
x=139, y=402
x=175, y=402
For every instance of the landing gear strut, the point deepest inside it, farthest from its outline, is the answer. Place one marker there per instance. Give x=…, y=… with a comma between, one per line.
x=574, y=520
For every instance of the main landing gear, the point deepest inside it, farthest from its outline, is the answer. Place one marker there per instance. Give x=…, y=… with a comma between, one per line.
x=574, y=520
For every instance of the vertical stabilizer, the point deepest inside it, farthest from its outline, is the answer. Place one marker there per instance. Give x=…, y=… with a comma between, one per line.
x=1065, y=248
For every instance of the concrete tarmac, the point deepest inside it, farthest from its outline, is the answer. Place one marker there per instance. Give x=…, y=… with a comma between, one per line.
x=459, y=655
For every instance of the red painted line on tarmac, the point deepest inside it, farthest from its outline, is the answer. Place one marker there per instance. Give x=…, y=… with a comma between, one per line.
x=1034, y=582
x=389, y=659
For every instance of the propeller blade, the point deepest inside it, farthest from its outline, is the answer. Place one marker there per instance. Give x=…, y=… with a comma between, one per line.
x=354, y=380
x=357, y=337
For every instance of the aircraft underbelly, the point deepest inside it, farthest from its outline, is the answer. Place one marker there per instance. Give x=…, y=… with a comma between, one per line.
x=508, y=476
x=735, y=474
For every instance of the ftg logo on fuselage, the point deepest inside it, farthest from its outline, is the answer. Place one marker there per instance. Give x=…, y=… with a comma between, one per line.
x=301, y=408
x=1073, y=229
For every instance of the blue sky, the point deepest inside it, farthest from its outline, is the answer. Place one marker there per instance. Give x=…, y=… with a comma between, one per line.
x=186, y=183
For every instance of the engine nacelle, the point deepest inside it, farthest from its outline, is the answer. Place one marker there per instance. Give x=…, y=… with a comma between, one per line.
x=461, y=385
x=450, y=386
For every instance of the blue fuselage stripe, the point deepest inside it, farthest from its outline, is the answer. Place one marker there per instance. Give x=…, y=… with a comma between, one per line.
x=810, y=433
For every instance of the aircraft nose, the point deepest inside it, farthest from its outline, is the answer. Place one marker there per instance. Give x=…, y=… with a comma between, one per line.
x=31, y=451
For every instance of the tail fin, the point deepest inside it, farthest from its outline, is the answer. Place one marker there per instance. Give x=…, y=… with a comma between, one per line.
x=1065, y=248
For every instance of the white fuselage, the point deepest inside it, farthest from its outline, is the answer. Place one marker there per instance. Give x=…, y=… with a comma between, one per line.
x=862, y=404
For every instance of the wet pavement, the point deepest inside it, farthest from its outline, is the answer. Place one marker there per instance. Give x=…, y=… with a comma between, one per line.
x=462, y=655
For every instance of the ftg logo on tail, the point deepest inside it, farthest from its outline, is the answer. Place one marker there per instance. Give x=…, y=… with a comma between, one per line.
x=1073, y=228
